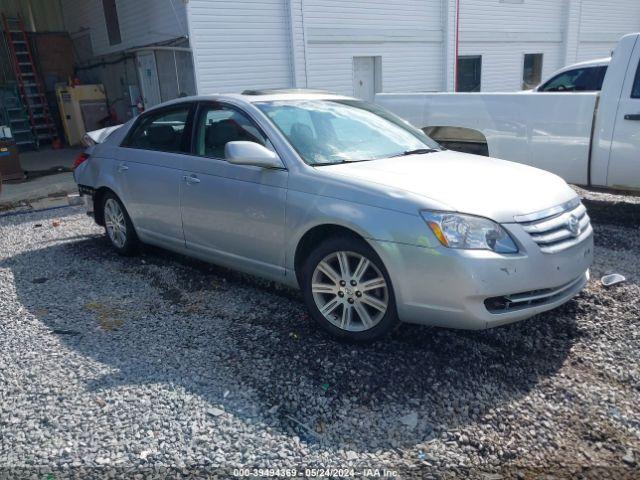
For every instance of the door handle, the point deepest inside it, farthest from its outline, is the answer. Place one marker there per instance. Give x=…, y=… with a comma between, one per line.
x=122, y=168
x=632, y=116
x=191, y=179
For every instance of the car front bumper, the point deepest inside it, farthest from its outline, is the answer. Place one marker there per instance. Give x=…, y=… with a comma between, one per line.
x=466, y=288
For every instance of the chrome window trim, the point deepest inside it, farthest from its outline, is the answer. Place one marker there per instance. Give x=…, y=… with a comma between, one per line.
x=549, y=212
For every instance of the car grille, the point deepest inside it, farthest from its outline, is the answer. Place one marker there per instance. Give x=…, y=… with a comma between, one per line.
x=558, y=228
x=518, y=301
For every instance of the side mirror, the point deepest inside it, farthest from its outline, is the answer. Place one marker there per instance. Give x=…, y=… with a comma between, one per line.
x=251, y=153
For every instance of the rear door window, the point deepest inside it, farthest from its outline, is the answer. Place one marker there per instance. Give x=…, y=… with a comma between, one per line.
x=164, y=131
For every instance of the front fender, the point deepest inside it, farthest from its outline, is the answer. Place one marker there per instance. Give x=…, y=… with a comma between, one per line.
x=306, y=211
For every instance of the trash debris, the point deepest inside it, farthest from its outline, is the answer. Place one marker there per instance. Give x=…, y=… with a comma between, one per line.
x=55, y=223
x=225, y=394
x=305, y=427
x=144, y=454
x=274, y=409
x=421, y=455
x=37, y=225
x=293, y=335
x=410, y=420
x=40, y=280
x=612, y=279
x=74, y=199
x=325, y=386
x=215, y=412
x=492, y=476
x=60, y=331
x=629, y=458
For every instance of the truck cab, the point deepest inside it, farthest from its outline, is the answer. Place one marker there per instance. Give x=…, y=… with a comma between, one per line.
x=587, y=137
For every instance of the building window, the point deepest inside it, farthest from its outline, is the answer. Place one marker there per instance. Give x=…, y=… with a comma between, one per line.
x=469, y=73
x=111, y=19
x=532, y=71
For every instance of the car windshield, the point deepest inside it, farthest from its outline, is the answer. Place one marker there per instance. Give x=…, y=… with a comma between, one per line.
x=325, y=132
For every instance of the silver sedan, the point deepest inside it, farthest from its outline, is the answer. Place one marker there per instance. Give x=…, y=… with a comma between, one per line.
x=373, y=220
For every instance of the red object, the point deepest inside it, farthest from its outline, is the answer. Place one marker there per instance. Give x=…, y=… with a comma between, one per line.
x=80, y=159
x=28, y=80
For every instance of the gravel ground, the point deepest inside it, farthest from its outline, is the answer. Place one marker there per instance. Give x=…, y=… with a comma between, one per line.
x=135, y=366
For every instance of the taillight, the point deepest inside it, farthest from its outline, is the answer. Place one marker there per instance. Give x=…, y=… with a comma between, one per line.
x=83, y=157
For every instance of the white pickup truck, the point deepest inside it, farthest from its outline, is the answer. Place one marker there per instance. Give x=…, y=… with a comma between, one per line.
x=587, y=138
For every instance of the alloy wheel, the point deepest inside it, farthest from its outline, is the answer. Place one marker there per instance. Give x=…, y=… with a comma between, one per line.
x=115, y=223
x=350, y=291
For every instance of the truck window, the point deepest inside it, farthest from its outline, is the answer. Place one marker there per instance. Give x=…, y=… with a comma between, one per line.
x=635, y=90
x=587, y=79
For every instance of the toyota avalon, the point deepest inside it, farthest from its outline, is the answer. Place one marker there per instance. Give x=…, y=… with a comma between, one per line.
x=374, y=221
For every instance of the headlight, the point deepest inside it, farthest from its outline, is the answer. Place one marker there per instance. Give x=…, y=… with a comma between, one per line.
x=456, y=230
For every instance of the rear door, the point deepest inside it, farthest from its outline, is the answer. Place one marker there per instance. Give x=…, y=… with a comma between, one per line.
x=624, y=159
x=232, y=214
x=149, y=169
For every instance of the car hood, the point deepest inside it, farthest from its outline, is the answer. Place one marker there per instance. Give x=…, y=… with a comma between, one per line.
x=472, y=184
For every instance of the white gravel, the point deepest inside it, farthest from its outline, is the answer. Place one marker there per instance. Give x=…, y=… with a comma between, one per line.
x=164, y=364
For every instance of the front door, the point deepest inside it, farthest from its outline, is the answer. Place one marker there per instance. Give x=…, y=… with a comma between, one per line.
x=233, y=214
x=624, y=159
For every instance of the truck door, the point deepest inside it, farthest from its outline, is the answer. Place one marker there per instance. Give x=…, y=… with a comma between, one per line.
x=624, y=159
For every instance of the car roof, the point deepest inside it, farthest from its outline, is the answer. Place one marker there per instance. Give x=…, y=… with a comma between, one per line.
x=254, y=96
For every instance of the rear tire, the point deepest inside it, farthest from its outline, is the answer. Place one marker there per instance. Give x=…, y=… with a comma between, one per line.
x=348, y=291
x=118, y=226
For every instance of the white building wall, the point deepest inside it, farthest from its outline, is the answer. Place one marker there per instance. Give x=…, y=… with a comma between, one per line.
x=602, y=23
x=311, y=43
x=240, y=44
x=502, y=32
x=142, y=22
x=406, y=34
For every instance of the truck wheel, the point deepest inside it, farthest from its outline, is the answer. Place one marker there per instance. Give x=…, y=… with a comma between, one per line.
x=348, y=291
x=118, y=226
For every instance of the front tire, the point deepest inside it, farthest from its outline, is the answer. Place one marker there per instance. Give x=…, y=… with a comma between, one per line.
x=118, y=226
x=348, y=291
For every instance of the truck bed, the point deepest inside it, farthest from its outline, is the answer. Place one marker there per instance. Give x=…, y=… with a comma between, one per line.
x=551, y=131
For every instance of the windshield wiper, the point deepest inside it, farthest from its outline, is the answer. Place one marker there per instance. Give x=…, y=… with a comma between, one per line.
x=323, y=164
x=416, y=151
